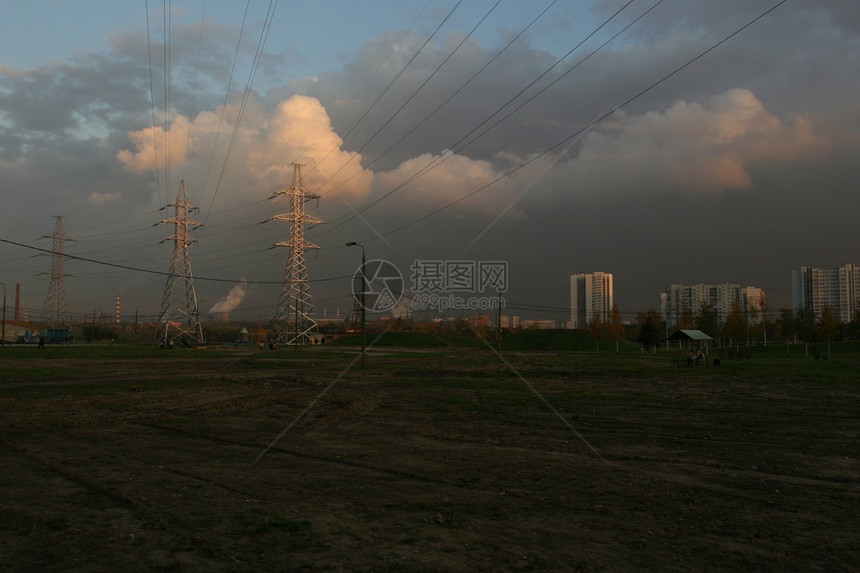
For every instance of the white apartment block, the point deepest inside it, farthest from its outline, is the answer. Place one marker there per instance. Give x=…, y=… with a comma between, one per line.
x=838, y=288
x=590, y=293
x=678, y=298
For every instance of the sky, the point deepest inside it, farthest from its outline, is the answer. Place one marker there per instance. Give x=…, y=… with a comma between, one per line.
x=664, y=142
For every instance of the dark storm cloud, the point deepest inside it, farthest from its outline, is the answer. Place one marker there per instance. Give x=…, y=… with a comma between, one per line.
x=642, y=234
x=761, y=59
x=59, y=124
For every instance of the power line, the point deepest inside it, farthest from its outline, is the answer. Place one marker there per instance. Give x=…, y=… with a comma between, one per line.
x=575, y=133
x=366, y=111
x=420, y=87
x=261, y=42
x=382, y=62
x=166, y=71
x=150, y=271
x=441, y=105
x=152, y=103
x=401, y=72
x=556, y=80
x=442, y=158
x=193, y=106
x=224, y=105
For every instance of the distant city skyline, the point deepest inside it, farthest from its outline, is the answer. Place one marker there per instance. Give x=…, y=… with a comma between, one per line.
x=723, y=298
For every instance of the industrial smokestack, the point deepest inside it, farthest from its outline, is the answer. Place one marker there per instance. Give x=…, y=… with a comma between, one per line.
x=17, y=300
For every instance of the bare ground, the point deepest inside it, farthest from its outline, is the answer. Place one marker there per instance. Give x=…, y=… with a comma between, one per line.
x=443, y=462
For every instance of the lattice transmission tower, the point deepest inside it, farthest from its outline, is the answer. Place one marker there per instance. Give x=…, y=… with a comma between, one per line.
x=294, y=322
x=180, y=318
x=56, y=309
x=355, y=315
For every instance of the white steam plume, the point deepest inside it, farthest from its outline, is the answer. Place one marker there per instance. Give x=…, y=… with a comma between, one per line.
x=233, y=298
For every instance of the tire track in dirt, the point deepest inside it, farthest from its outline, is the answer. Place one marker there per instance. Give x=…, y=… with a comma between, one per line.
x=390, y=472
x=241, y=402
x=112, y=494
x=146, y=509
x=148, y=513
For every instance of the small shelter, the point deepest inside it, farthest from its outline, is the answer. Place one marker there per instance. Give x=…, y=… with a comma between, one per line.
x=691, y=337
x=695, y=338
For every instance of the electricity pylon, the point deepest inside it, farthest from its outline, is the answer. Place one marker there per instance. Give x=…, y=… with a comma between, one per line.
x=355, y=316
x=294, y=323
x=180, y=318
x=56, y=309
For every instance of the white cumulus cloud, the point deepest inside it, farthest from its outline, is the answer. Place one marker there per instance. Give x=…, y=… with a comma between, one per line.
x=451, y=179
x=263, y=148
x=695, y=147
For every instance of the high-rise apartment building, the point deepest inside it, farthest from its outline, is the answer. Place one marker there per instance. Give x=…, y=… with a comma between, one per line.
x=838, y=288
x=590, y=294
x=680, y=298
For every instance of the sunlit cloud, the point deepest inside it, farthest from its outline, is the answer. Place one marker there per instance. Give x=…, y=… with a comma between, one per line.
x=452, y=178
x=102, y=198
x=263, y=149
x=300, y=131
x=696, y=147
x=154, y=146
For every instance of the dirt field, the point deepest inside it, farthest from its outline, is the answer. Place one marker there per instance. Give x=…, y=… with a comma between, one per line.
x=427, y=462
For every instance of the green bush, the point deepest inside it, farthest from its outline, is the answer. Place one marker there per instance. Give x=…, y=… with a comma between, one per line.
x=97, y=332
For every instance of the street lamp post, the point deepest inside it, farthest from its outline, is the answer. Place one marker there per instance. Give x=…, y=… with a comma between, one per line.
x=3, y=333
x=499, y=319
x=363, y=291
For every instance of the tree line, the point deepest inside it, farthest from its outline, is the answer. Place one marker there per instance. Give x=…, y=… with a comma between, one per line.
x=738, y=328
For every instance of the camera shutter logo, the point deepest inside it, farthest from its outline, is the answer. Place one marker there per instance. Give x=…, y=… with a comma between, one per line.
x=381, y=285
